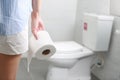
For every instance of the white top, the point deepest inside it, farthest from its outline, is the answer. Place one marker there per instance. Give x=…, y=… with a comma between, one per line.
x=14, y=15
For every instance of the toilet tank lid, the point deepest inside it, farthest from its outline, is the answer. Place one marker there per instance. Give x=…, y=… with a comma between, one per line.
x=68, y=46
x=100, y=16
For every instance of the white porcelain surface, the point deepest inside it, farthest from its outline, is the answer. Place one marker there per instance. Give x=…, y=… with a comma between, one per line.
x=70, y=50
x=68, y=53
x=63, y=63
x=94, y=27
x=79, y=71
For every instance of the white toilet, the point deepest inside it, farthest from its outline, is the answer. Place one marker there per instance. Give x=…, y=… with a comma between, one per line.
x=72, y=61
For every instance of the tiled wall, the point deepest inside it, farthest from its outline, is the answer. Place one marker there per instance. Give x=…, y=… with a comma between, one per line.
x=115, y=7
x=92, y=6
x=59, y=18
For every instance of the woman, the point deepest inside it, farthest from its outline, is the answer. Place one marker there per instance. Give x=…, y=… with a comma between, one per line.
x=14, y=16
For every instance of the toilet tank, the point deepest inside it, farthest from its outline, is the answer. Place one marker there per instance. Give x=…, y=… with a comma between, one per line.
x=97, y=31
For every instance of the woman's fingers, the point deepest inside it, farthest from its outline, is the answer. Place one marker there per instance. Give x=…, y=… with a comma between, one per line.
x=34, y=32
x=41, y=26
x=37, y=26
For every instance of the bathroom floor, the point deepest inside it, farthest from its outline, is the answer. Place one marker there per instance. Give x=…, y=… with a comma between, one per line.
x=38, y=70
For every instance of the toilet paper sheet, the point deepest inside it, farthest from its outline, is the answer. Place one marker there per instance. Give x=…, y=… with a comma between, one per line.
x=43, y=48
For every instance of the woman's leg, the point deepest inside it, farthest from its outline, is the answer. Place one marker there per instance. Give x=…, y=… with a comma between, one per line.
x=8, y=66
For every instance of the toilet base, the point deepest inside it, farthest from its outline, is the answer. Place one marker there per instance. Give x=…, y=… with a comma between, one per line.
x=55, y=73
x=84, y=78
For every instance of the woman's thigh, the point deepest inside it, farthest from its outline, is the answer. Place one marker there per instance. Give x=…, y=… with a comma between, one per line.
x=8, y=66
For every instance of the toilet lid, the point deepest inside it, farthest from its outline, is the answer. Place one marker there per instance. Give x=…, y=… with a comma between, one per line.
x=70, y=50
x=68, y=46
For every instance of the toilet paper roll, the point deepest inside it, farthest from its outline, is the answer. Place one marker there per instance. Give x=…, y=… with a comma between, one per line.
x=43, y=48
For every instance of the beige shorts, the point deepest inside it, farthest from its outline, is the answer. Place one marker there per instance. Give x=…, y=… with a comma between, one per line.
x=14, y=44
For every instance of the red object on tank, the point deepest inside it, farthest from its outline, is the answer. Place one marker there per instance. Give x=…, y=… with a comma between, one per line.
x=85, y=26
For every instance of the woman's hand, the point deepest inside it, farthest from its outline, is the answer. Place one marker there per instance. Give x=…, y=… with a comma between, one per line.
x=36, y=24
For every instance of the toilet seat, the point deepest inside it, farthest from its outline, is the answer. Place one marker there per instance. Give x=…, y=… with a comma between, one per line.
x=70, y=50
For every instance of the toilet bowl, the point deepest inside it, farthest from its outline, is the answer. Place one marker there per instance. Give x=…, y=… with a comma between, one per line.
x=67, y=56
x=68, y=53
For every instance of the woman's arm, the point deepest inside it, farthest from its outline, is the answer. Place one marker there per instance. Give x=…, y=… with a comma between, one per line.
x=36, y=22
x=36, y=7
